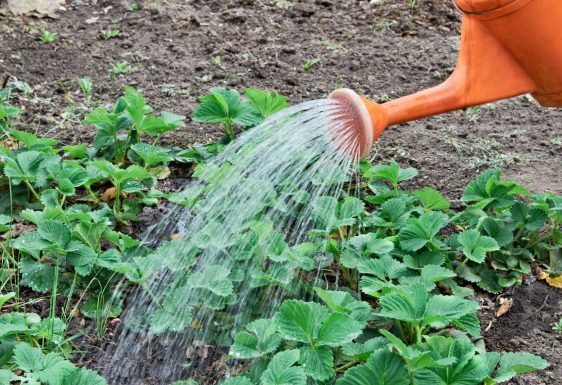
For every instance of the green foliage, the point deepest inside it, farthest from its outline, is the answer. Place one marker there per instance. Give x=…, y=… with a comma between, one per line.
x=403, y=249
x=557, y=327
x=48, y=369
x=307, y=65
x=47, y=37
x=121, y=68
x=226, y=107
x=394, y=262
x=130, y=119
x=111, y=33
x=86, y=86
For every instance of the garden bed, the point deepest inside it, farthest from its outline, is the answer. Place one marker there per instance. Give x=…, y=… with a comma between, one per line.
x=176, y=50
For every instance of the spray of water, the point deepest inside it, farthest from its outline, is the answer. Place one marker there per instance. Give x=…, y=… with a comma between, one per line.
x=242, y=248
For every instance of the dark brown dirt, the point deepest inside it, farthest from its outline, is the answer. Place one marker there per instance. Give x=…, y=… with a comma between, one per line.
x=374, y=47
x=527, y=326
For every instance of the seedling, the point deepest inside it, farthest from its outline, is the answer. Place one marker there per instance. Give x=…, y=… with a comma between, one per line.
x=309, y=63
x=224, y=106
x=86, y=87
x=47, y=37
x=382, y=25
x=121, y=68
x=133, y=7
x=217, y=60
x=111, y=33
x=331, y=45
x=557, y=327
x=412, y=5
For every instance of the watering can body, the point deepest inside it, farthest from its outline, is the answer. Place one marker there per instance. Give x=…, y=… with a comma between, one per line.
x=508, y=48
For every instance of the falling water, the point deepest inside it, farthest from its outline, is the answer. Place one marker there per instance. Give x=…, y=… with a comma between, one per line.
x=259, y=190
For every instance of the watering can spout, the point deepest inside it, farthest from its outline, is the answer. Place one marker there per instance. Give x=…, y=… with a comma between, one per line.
x=508, y=48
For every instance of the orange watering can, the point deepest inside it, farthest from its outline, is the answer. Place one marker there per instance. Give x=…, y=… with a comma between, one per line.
x=508, y=48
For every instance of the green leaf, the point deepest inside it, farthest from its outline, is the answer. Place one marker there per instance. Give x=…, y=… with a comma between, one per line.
x=419, y=232
x=90, y=233
x=214, y=279
x=498, y=230
x=155, y=126
x=136, y=106
x=78, y=151
x=7, y=377
x=462, y=368
x=30, y=140
x=362, y=351
x=50, y=368
x=317, y=362
x=488, y=191
x=391, y=173
x=173, y=317
x=382, y=368
x=470, y=323
x=362, y=246
x=261, y=339
x=83, y=259
x=432, y=199
x=55, y=232
x=330, y=214
x=446, y=308
x=475, y=246
x=404, y=305
x=6, y=297
x=338, y=329
x=343, y=302
x=151, y=155
x=418, y=261
x=101, y=119
x=299, y=321
x=38, y=276
x=435, y=273
x=225, y=106
x=24, y=166
x=281, y=370
x=83, y=376
x=380, y=273
x=240, y=380
x=267, y=103
x=512, y=364
x=5, y=223
x=109, y=259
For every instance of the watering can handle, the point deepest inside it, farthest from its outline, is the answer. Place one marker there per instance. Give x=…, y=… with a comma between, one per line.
x=485, y=72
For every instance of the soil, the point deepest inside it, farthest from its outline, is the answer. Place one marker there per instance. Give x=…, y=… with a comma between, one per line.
x=379, y=48
x=527, y=326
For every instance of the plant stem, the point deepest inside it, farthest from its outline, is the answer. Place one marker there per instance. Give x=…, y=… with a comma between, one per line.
x=156, y=139
x=229, y=130
x=347, y=366
x=152, y=296
x=30, y=187
x=53, y=306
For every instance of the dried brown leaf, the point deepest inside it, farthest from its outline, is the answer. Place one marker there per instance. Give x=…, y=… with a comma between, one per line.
x=505, y=305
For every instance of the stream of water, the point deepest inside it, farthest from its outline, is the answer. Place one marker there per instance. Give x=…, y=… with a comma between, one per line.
x=259, y=192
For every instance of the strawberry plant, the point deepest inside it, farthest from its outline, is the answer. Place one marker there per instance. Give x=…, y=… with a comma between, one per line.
x=123, y=127
x=378, y=291
x=225, y=107
x=35, y=367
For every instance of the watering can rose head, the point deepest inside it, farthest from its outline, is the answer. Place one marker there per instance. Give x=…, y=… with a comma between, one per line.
x=508, y=48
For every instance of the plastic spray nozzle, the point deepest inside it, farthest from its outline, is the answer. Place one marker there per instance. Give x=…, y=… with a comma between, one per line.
x=508, y=48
